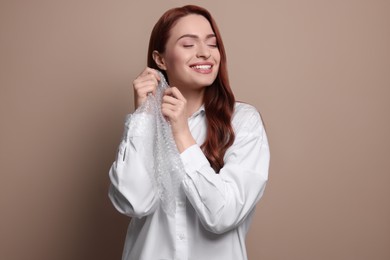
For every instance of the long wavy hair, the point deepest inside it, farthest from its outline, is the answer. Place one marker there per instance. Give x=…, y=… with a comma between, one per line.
x=218, y=97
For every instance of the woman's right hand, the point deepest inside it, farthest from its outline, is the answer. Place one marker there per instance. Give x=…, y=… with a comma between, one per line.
x=145, y=83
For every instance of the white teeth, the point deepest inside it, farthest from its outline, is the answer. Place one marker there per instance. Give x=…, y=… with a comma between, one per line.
x=202, y=67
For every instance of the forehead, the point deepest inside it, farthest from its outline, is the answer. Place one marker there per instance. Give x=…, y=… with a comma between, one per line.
x=191, y=24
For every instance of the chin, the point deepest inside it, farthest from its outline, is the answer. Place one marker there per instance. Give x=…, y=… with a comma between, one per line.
x=205, y=80
x=196, y=80
x=204, y=83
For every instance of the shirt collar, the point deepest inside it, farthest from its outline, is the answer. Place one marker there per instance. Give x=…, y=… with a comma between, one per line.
x=201, y=110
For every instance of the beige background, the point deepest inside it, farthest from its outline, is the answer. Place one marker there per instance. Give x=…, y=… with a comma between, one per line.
x=319, y=71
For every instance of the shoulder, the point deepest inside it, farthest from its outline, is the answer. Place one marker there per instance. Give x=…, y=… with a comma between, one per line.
x=246, y=116
x=244, y=108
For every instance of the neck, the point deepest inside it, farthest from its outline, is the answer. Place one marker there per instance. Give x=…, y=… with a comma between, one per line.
x=194, y=99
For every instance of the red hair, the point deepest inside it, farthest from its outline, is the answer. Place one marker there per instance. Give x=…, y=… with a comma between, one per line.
x=218, y=97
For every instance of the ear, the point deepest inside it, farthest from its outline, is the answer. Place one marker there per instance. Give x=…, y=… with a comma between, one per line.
x=159, y=60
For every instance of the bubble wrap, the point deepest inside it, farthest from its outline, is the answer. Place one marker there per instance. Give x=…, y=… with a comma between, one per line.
x=167, y=170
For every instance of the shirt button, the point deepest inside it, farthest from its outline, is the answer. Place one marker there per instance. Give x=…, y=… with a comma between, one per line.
x=181, y=236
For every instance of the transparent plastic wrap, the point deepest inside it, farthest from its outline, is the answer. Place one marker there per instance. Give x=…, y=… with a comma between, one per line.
x=167, y=170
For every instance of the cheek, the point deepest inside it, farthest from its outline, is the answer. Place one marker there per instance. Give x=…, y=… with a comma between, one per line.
x=217, y=56
x=175, y=58
x=217, y=59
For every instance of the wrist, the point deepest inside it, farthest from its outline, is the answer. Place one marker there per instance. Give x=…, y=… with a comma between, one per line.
x=184, y=141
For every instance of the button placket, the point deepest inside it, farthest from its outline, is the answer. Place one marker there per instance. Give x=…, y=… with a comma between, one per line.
x=181, y=227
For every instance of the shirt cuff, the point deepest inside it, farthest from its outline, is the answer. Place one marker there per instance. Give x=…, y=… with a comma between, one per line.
x=193, y=159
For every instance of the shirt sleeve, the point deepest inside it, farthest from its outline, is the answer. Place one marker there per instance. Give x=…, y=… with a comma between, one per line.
x=131, y=190
x=222, y=201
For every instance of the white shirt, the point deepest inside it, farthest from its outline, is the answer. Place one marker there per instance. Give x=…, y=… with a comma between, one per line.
x=213, y=212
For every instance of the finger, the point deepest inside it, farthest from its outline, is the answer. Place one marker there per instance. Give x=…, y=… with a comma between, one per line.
x=150, y=71
x=146, y=71
x=141, y=91
x=167, y=106
x=148, y=77
x=168, y=92
x=168, y=112
x=145, y=90
x=170, y=100
x=174, y=96
x=175, y=92
x=138, y=86
x=143, y=81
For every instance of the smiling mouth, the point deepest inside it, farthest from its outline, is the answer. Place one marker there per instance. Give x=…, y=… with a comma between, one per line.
x=203, y=69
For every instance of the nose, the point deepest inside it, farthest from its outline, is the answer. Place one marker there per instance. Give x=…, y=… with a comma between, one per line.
x=203, y=52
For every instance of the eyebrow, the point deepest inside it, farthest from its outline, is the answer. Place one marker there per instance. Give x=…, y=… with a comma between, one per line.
x=195, y=36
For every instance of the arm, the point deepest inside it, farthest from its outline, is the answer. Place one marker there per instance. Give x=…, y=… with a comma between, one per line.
x=132, y=191
x=222, y=201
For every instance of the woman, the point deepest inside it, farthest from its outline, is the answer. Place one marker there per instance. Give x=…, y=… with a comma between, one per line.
x=222, y=145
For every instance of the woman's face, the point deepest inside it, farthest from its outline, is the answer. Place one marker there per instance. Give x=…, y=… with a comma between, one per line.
x=191, y=56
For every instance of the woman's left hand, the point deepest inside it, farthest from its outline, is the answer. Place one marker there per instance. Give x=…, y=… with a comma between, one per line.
x=174, y=108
